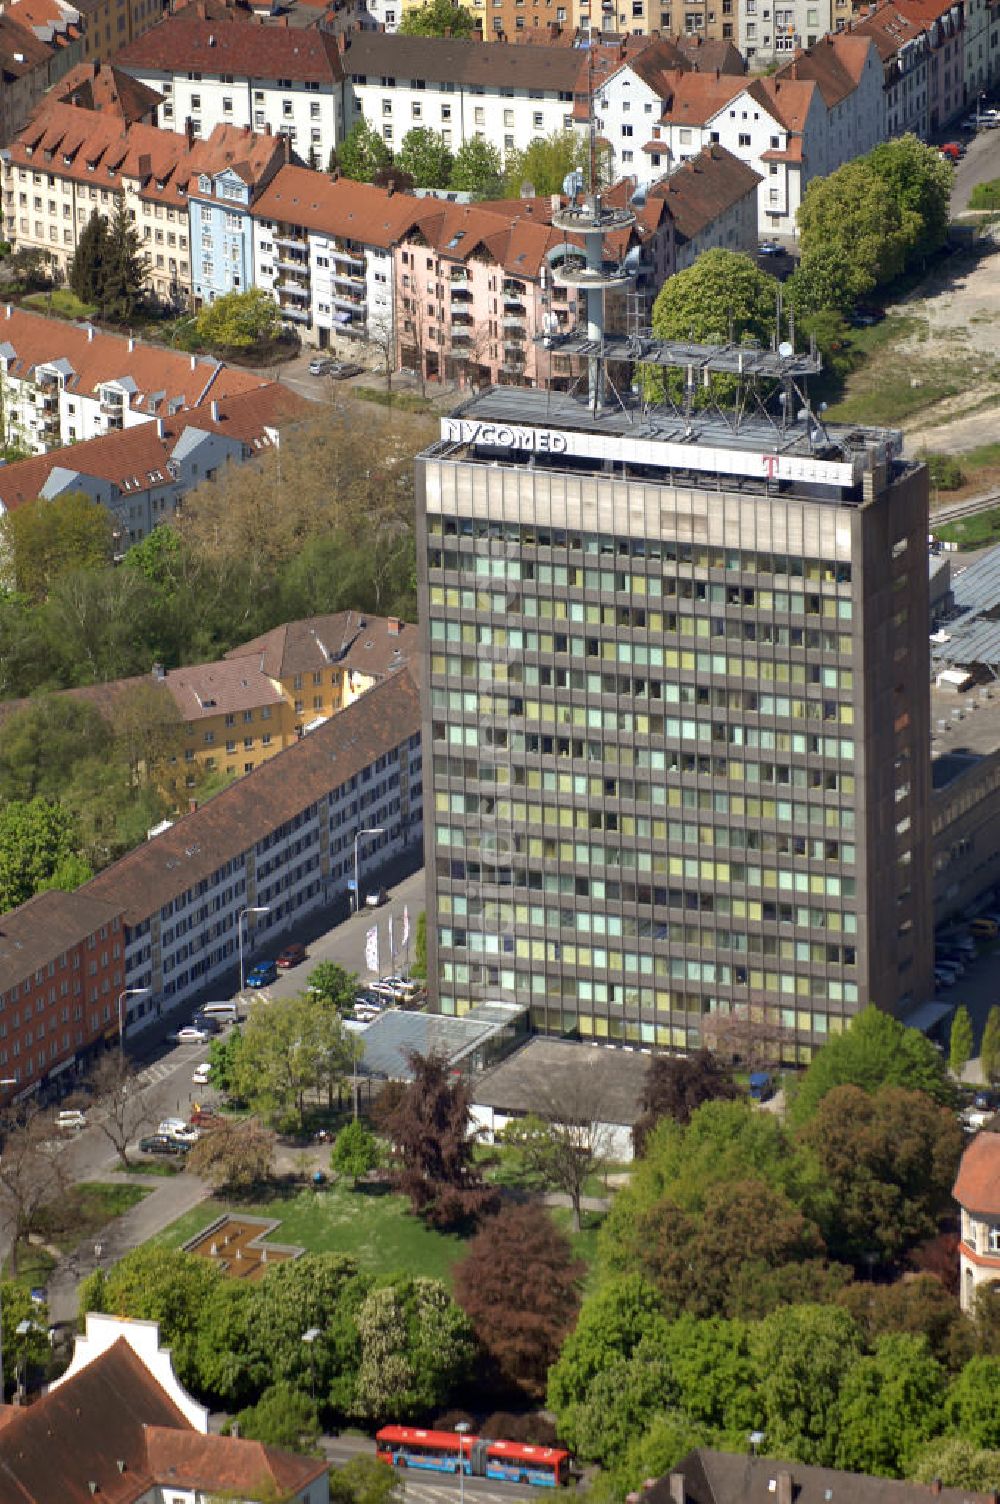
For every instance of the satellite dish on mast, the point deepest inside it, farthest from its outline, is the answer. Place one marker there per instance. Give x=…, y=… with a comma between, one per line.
x=785, y=349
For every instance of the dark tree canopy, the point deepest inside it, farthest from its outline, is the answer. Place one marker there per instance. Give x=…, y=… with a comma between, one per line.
x=520, y=1287
x=429, y=1128
x=677, y=1085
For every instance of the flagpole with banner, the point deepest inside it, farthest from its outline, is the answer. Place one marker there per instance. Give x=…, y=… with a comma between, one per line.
x=392, y=945
x=406, y=939
x=371, y=950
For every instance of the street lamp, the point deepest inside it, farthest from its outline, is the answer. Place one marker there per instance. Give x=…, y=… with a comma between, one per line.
x=129, y=992
x=370, y=830
x=252, y=909
x=309, y=1337
x=461, y=1427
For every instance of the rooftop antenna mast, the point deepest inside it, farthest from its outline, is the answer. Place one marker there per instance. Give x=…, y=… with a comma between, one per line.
x=586, y=216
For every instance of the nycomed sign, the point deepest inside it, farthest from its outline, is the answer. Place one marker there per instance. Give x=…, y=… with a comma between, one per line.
x=661, y=454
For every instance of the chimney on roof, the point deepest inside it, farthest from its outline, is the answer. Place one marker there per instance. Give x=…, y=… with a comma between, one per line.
x=192, y=806
x=677, y=1493
x=395, y=626
x=189, y=131
x=90, y=333
x=194, y=362
x=215, y=410
x=783, y=1493
x=131, y=344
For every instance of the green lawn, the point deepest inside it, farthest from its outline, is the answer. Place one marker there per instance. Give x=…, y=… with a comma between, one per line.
x=61, y=301
x=376, y=1229
x=91, y=1206
x=149, y=1166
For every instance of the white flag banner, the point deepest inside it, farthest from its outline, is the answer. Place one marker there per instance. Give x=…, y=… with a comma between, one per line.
x=392, y=944
x=406, y=925
x=371, y=949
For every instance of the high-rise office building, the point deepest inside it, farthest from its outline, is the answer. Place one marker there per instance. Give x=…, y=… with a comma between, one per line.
x=675, y=713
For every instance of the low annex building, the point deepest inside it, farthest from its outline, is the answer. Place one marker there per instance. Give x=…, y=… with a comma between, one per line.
x=119, y=1427
x=977, y=1191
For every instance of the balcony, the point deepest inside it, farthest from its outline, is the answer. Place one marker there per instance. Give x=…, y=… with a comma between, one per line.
x=352, y=279
x=344, y=301
x=354, y=258
x=458, y=276
x=297, y=242
x=461, y=318
x=461, y=339
x=512, y=303
x=288, y=265
x=293, y=288
x=513, y=288
x=300, y=315
x=514, y=324
x=460, y=293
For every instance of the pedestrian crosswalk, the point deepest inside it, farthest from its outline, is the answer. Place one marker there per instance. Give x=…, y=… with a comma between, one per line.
x=151, y=1075
x=446, y=1491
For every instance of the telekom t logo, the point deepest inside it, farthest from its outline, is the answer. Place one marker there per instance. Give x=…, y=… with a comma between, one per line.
x=770, y=463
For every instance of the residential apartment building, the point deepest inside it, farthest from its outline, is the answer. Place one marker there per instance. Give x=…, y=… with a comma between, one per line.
x=324, y=663
x=64, y=382
x=945, y=30
x=111, y=24
x=221, y=208
x=280, y=80
x=62, y=971
x=904, y=48
x=282, y=839
x=70, y=162
x=712, y=202
x=977, y=1191
x=324, y=250
x=141, y=473
x=503, y=93
x=40, y=41
x=675, y=717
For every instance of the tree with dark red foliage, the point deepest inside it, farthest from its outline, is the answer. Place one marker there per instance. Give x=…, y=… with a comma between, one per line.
x=519, y=1285
x=433, y=1147
x=677, y=1085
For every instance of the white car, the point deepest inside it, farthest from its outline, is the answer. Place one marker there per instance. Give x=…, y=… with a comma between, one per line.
x=191, y=1034
x=70, y=1119
x=178, y=1129
x=202, y=1074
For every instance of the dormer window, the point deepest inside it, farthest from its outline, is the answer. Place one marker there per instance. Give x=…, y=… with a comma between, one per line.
x=29, y=151
x=204, y=184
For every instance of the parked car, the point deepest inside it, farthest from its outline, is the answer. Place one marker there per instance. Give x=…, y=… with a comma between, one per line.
x=340, y=370
x=203, y=1117
x=983, y=928
x=320, y=366
x=263, y=973
x=162, y=1143
x=202, y=1074
x=177, y=1128
x=951, y=151
x=943, y=977
x=377, y=899
x=770, y=248
x=191, y=1034
x=70, y=1119
x=206, y=1023
x=292, y=955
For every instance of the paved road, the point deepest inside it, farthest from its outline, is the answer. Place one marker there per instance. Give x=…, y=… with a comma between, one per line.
x=981, y=164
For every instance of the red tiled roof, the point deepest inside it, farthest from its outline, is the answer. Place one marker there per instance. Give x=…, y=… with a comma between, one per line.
x=20, y=50
x=977, y=1185
x=835, y=64
x=351, y=639
x=788, y=100
x=137, y=453
x=112, y=91
x=695, y=98
x=216, y=1464
x=187, y=41
x=356, y=211
x=704, y=188
x=97, y=357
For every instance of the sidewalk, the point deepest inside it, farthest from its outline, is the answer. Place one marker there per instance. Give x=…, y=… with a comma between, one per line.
x=170, y=1197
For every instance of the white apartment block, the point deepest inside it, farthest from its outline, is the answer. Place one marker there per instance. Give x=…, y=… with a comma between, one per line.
x=507, y=94
x=270, y=79
x=62, y=383
x=280, y=838
x=324, y=251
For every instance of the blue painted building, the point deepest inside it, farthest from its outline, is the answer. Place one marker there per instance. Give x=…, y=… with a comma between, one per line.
x=220, y=198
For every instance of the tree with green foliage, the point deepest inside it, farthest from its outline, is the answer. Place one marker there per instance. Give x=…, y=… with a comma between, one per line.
x=724, y=297
x=417, y=1348
x=41, y=745
x=972, y=1405
x=24, y=1332
x=239, y=320
x=889, y=1159
x=425, y=157
x=230, y=1373
x=355, y=1152
x=87, y=267
x=38, y=850
x=957, y=1463
x=989, y=1048
x=890, y=1403
x=362, y=153
x=418, y=968
x=919, y=183
x=874, y=1050
x=44, y=540
x=223, y=1054
x=564, y=1148
x=124, y=269
x=850, y=214
x=960, y=1042
x=365, y=1480
x=822, y=282
x=283, y=1417
x=546, y=161
x=165, y=1285
x=334, y=984
x=291, y=1048
x=157, y=556
x=620, y=1403
x=802, y=1356
x=437, y=18
x=478, y=168
x=713, y=1373
x=621, y=1314
x=324, y=1290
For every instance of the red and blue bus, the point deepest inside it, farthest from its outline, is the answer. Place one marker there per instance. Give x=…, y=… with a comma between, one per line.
x=477, y=1456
